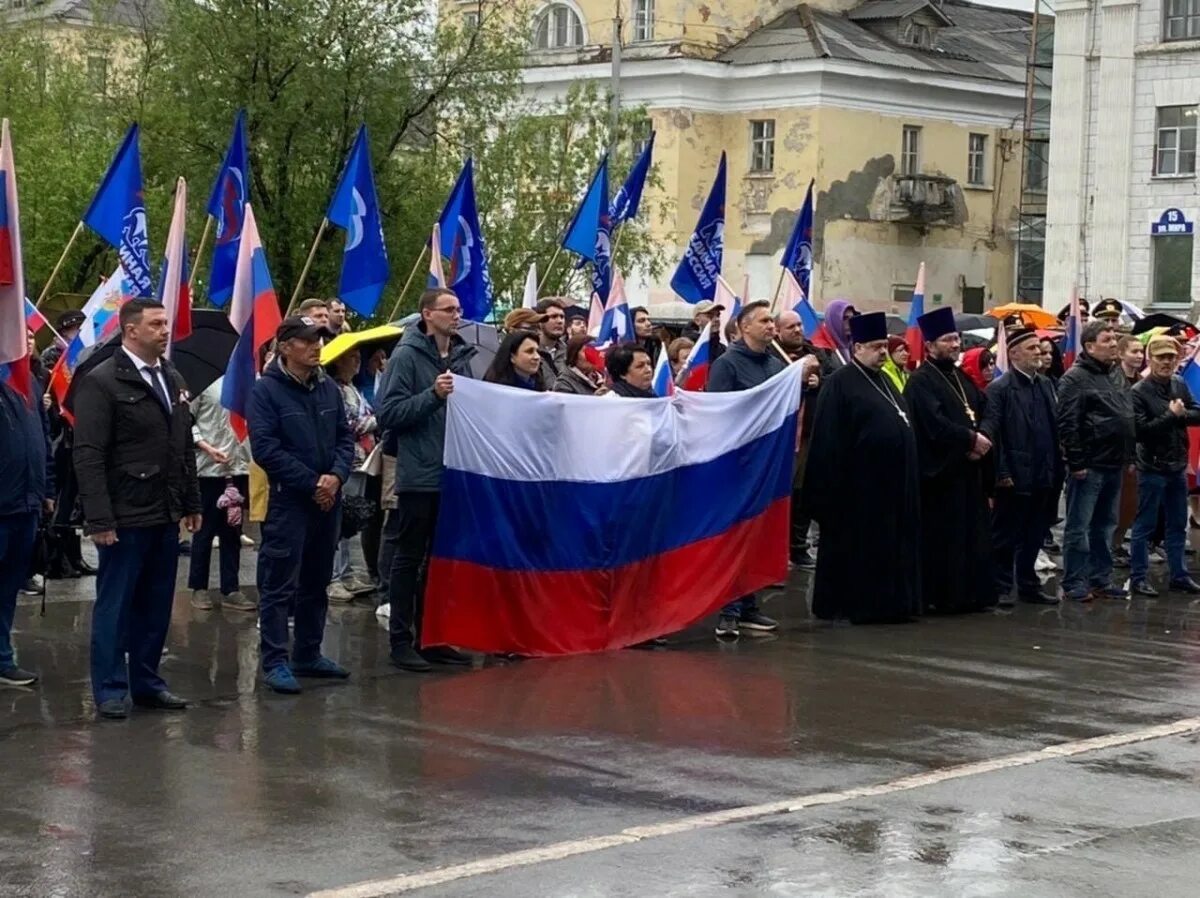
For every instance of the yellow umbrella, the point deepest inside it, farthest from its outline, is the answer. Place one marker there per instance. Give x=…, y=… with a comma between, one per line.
x=343, y=343
x=1034, y=316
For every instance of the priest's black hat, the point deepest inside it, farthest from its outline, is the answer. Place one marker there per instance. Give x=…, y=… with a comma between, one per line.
x=937, y=323
x=869, y=327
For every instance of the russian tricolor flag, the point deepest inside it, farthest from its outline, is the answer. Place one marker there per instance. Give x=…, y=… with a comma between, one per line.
x=101, y=320
x=173, y=290
x=912, y=336
x=254, y=314
x=1073, y=341
x=662, y=383
x=664, y=509
x=694, y=375
x=14, y=344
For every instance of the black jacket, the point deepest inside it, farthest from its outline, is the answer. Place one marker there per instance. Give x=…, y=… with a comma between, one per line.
x=1095, y=417
x=1019, y=420
x=1162, y=438
x=135, y=463
x=740, y=368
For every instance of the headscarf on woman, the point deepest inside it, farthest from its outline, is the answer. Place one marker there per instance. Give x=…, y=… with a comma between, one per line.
x=835, y=324
x=975, y=363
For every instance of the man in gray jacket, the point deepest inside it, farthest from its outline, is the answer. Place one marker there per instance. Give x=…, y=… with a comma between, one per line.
x=412, y=405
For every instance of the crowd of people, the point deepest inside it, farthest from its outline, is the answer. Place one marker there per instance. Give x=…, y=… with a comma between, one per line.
x=933, y=488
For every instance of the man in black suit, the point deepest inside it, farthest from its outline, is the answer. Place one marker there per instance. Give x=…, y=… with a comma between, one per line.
x=1019, y=419
x=137, y=478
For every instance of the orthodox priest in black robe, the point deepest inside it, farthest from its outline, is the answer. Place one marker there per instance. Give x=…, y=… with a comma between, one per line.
x=947, y=411
x=860, y=484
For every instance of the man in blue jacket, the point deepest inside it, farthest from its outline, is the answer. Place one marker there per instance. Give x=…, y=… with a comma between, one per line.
x=300, y=437
x=25, y=492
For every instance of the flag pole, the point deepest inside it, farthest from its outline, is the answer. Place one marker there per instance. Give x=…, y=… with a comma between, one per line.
x=58, y=265
x=546, y=273
x=778, y=287
x=208, y=220
x=307, y=265
x=404, y=289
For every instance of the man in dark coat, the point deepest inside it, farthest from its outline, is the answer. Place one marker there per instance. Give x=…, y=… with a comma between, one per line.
x=412, y=406
x=300, y=437
x=860, y=484
x=1019, y=420
x=947, y=411
x=137, y=478
x=1096, y=429
x=1163, y=409
x=790, y=331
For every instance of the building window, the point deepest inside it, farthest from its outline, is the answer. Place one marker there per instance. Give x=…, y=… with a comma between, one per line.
x=1037, y=165
x=1175, y=153
x=1172, y=269
x=643, y=20
x=471, y=20
x=557, y=27
x=902, y=294
x=1182, y=20
x=910, y=150
x=762, y=145
x=639, y=136
x=916, y=34
x=97, y=72
x=977, y=159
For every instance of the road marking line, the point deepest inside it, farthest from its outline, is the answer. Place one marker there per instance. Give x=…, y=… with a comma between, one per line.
x=409, y=882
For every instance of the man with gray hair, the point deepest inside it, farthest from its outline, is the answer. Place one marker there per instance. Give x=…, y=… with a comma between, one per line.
x=1096, y=429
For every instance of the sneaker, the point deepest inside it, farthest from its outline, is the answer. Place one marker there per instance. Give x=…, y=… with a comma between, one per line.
x=357, y=585
x=1081, y=597
x=406, y=657
x=323, y=669
x=1158, y=556
x=444, y=654
x=201, y=600
x=338, y=594
x=1185, y=585
x=756, y=620
x=1044, y=562
x=238, y=601
x=804, y=560
x=1142, y=588
x=727, y=627
x=246, y=541
x=14, y=676
x=1111, y=591
x=33, y=586
x=1120, y=558
x=281, y=680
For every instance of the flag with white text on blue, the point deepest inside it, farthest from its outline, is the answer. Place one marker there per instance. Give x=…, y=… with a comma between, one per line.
x=696, y=277
x=589, y=235
x=118, y=214
x=462, y=243
x=628, y=199
x=355, y=209
x=798, y=256
x=227, y=206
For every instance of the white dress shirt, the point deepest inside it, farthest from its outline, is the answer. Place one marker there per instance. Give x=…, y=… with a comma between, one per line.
x=157, y=384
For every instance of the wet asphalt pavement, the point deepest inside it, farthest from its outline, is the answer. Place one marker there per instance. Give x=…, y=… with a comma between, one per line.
x=252, y=794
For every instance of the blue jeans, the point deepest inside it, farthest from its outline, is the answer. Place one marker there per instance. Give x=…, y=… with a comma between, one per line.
x=1088, y=532
x=17, y=533
x=738, y=607
x=1168, y=491
x=135, y=589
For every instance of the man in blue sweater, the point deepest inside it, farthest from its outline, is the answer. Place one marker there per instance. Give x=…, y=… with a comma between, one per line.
x=25, y=492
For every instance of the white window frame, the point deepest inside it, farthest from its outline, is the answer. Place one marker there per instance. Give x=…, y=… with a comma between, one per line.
x=643, y=20
x=910, y=150
x=762, y=146
x=977, y=170
x=563, y=28
x=1169, y=141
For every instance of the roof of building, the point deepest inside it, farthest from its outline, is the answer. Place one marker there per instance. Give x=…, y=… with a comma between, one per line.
x=128, y=13
x=982, y=41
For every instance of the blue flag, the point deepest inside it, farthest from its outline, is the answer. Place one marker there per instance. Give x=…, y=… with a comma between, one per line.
x=355, y=208
x=227, y=206
x=696, y=277
x=583, y=231
x=462, y=244
x=629, y=198
x=798, y=257
x=118, y=214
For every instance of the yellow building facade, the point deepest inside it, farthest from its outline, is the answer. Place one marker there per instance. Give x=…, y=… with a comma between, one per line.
x=907, y=113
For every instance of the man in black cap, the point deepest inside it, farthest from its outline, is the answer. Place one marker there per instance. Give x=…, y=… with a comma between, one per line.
x=947, y=413
x=1109, y=309
x=577, y=321
x=1019, y=420
x=1065, y=312
x=300, y=437
x=860, y=484
x=68, y=325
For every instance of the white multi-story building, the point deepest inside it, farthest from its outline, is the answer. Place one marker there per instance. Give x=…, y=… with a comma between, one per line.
x=1123, y=194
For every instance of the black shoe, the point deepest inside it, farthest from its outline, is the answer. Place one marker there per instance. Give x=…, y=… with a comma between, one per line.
x=31, y=588
x=406, y=657
x=160, y=701
x=1186, y=585
x=82, y=568
x=1143, y=588
x=1120, y=558
x=113, y=709
x=727, y=627
x=756, y=620
x=1038, y=598
x=14, y=676
x=804, y=561
x=444, y=654
x=1005, y=601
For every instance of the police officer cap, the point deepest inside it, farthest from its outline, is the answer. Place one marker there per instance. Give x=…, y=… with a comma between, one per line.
x=1107, y=308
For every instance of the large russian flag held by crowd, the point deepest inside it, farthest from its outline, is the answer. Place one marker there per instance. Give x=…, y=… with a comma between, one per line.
x=254, y=314
x=665, y=510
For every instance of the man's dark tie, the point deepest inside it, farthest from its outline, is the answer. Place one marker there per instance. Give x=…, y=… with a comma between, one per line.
x=160, y=387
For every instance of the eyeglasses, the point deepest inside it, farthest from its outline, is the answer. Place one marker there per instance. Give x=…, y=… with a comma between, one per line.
x=453, y=310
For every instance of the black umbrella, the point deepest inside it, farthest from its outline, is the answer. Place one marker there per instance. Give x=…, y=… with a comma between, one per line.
x=970, y=322
x=1159, y=319
x=486, y=341
x=204, y=356
x=896, y=326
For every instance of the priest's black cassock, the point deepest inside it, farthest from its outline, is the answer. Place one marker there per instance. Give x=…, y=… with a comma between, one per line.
x=861, y=486
x=956, y=543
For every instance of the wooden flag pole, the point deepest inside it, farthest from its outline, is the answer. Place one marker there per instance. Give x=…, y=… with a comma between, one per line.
x=546, y=273
x=778, y=287
x=307, y=265
x=208, y=220
x=53, y=274
x=404, y=289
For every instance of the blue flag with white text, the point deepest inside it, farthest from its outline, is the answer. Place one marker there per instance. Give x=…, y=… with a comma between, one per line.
x=696, y=277
x=628, y=198
x=798, y=257
x=462, y=244
x=355, y=209
x=227, y=206
x=118, y=214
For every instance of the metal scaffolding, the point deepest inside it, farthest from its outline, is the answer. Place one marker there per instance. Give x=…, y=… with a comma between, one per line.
x=1035, y=155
